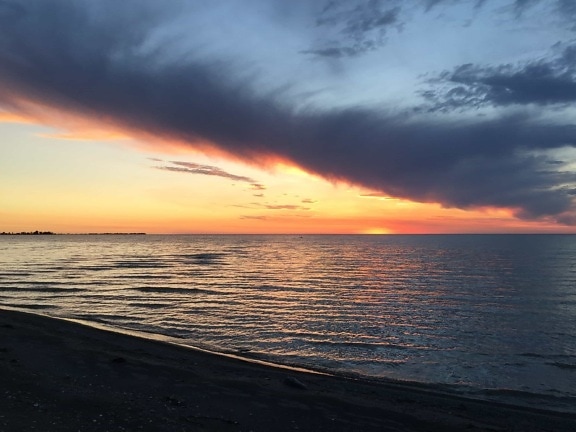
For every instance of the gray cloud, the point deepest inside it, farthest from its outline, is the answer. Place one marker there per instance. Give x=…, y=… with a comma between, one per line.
x=568, y=9
x=209, y=170
x=257, y=187
x=484, y=163
x=354, y=27
x=259, y=206
x=565, y=8
x=543, y=82
x=521, y=5
x=102, y=60
x=350, y=28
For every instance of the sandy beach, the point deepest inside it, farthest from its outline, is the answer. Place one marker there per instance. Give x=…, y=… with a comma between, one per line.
x=62, y=376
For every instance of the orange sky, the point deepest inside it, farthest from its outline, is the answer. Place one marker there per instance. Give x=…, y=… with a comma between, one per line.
x=64, y=180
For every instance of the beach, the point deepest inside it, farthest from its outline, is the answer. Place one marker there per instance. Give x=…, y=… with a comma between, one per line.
x=60, y=375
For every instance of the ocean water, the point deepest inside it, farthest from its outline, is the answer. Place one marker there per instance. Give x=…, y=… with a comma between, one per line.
x=490, y=316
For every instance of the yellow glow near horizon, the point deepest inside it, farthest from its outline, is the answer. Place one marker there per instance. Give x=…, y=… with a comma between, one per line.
x=376, y=231
x=99, y=180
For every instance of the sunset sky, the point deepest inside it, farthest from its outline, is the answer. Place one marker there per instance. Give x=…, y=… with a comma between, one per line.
x=275, y=116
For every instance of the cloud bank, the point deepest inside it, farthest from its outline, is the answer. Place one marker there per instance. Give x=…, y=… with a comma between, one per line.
x=119, y=62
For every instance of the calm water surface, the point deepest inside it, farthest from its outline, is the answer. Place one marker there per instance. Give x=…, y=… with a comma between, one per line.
x=489, y=315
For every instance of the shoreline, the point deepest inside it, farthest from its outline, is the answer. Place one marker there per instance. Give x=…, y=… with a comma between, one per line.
x=63, y=375
x=510, y=397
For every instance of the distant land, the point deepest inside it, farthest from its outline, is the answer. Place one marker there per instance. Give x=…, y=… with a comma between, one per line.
x=53, y=233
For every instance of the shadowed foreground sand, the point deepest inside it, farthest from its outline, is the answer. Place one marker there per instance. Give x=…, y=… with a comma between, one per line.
x=62, y=376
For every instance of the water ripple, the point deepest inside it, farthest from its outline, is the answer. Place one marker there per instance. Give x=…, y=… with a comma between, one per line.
x=482, y=312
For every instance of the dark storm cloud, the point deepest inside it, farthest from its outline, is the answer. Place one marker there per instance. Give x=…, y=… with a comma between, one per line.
x=463, y=165
x=209, y=170
x=101, y=60
x=543, y=82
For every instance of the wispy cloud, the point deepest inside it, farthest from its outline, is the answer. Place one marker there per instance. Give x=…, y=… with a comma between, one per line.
x=257, y=187
x=353, y=27
x=208, y=170
x=285, y=207
x=257, y=217
x=265, y=206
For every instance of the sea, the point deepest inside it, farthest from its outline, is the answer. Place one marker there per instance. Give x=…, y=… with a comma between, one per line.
x=486, y=316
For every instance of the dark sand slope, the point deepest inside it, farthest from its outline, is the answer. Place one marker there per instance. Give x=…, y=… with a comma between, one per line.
x=61, y=376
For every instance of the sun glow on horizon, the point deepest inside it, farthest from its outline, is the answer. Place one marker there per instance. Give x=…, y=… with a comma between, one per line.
x=376, y=231
x=101, y=180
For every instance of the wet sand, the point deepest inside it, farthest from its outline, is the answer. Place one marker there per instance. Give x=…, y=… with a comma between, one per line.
x=58, y=375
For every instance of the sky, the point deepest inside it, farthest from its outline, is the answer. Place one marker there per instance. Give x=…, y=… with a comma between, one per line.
x=301, y=116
